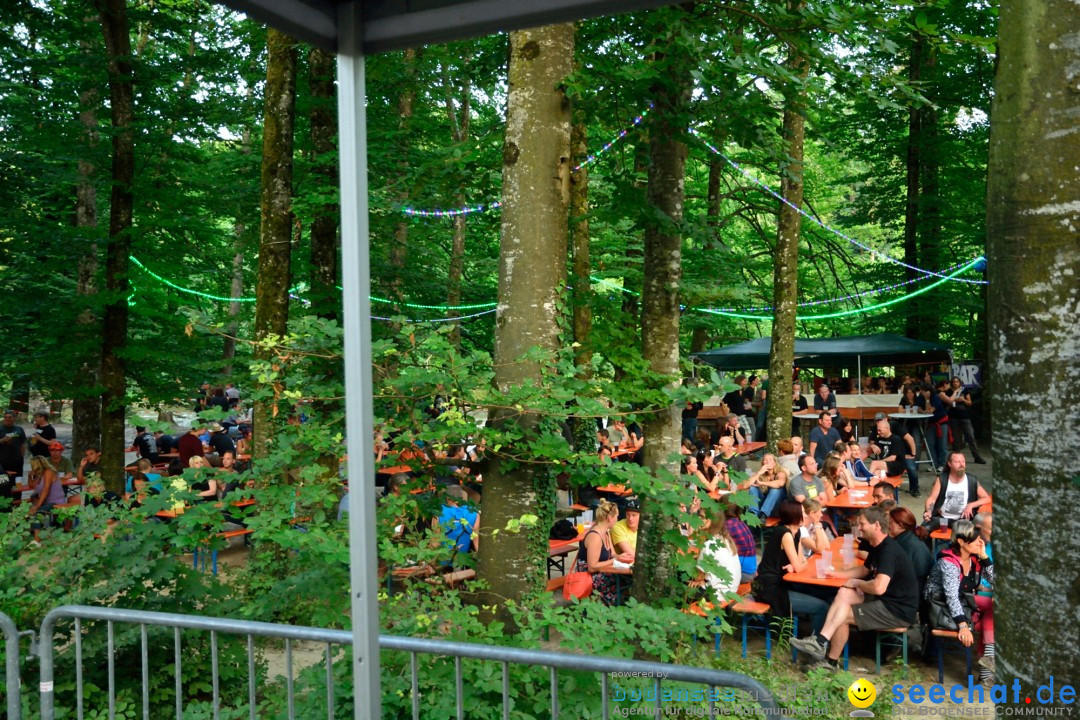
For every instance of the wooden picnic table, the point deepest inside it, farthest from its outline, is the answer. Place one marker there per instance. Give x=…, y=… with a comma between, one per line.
x=809, y=575
x=620, y=490
x=851, y=500
x=750, y=447
x=394, y=470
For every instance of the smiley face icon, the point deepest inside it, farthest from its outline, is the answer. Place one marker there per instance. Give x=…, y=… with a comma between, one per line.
x=862, y=693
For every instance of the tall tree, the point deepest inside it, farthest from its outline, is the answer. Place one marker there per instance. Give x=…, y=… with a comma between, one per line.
x=399, y=245
x=532, y=274
x=86, y=405
x=114, y=25
x=660, y=309
x=325, y=247
x=1033, y=212
x=581, y=284
x=786, y=255
x=275, y=226
x=459, y=133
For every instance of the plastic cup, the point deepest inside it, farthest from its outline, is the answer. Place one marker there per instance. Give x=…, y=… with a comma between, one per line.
x=580, y=529
x=825, y=563
x=820, y=569
x=849, y=540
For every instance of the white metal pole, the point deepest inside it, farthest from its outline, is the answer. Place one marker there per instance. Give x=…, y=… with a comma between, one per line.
x=359, y=420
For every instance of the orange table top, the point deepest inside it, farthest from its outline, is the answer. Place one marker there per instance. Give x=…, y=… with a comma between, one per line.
x=809, y=575
x=852, y=500
x=616, y=489
x=747, y=448
x=394, y=470
x=556, y=544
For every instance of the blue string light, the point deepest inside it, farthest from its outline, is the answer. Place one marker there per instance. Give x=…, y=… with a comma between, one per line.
x=822, y=225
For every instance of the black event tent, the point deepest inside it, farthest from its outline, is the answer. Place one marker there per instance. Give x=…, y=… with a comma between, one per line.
x=856, y=351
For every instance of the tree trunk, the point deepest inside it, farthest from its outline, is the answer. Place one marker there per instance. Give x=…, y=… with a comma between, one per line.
x=914, y=172
x=399, y=247
x=114, y=23
x=579, y=232
x=1033, y=214
x=19, y=400
x=786, y=262
x=655, y=570
x=532, y=274
x=236, y=290
x=927, y=309
x=86, y=402
x=459, y=131
x=325, y=298
x=275, y=227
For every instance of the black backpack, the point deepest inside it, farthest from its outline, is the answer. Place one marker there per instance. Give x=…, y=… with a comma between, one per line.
x=563, y=530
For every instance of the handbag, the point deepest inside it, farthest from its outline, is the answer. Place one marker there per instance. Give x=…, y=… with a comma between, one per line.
x=578, y=585
x=938, y=610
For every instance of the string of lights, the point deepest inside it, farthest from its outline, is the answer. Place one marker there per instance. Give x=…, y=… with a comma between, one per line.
x=822, y=225
x=857, y=311
x=435, y=320
x=495, y=205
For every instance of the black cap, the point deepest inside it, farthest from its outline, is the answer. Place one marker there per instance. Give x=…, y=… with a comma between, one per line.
x=633, y=504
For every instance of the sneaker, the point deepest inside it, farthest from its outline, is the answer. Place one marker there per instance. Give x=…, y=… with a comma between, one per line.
x=915, y=493
x=988, y=663
x=824, y=664
x=810, y=646
x=979, y=461
x=34, y=544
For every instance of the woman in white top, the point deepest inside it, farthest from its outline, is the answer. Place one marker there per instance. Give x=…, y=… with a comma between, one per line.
x=718, y=561
x=813, y=535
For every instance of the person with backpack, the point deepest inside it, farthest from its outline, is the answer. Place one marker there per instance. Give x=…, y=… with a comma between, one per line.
x=952, y=586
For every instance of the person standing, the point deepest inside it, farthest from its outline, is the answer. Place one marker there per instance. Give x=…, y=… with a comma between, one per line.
x=145, y=445
x=41, y=435
x=689, y=419
x=189, y=445
x=825, y=399
x=737, y=405
x=12, y=448
x=798, y=405
x=959, y=403
x=937, y=431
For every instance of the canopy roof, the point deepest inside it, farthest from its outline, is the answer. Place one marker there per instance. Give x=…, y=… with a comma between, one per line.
x=396, y=24
x=846, y=352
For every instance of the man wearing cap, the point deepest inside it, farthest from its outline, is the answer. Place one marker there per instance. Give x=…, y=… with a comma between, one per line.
x=145, y=445
x=189, y=445
x=62, y=465
x=624, y=532
x=41, y=435
x=12, y=449
x=220, y=442
x=895, y=450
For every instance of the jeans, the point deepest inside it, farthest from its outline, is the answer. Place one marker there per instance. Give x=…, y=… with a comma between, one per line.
x=964, y=427
x=771, y=500
x=816, y=608
x=939, y=446
x=689, y=428
x=912, y=474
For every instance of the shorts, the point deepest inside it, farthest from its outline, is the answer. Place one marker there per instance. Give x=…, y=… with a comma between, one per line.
x=873, y=615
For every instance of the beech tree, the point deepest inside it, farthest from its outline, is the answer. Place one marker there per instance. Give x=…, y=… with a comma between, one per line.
x=275, y=231
x=1033, y=215
x=532, y=275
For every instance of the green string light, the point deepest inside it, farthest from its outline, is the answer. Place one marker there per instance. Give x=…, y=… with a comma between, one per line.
x=856, y=311
x=823, y=316
x=174, y=286
x=220, y=298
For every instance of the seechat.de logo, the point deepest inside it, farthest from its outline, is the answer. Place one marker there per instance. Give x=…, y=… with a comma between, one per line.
x=997, y=694
x=862, y=694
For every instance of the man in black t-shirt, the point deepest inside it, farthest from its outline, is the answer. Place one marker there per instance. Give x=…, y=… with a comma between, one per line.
x=896, y=450
x=882, y=594
x=220, y=442
x=41, y=435
x=145, y=445
x=12, y=447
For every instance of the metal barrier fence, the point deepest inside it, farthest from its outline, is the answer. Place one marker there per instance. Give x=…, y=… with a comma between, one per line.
x=11, y=663
x=414, y=646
